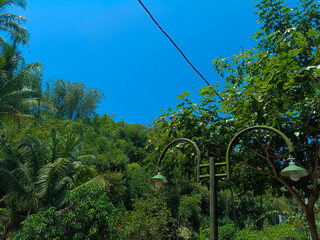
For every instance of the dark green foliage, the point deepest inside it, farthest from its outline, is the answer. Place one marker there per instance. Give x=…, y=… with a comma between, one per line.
x=227, y=232
x=135, y=136
x=87, y=213
x=137, y=182
x=114, y=144
x=5, y=219
x=116, y=187
x=277, y=232
x=189, y=212
x=150, y=219
x=37, y=225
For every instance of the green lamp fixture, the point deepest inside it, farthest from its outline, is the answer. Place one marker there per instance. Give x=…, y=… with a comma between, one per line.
x=159, y=180
x=293, y=171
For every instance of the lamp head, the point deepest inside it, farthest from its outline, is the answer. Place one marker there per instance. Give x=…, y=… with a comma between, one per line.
x=293, y=171
x=159, y=180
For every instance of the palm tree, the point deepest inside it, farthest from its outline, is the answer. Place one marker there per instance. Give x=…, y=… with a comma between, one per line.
x=18, y=173
x=40, y=174
x=15, y=98
x=65, y=169
x=36, y=174
x=10, y=23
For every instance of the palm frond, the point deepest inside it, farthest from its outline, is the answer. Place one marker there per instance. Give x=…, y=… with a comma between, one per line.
x=72, y=141
x=12, y=18
x=22, y=94
x=50, y=172
x=64, y=184
x=83, y=173
x=62, y=187
x=34, y=67
x=86, y=157
x=2, y=41
x=10, y=23
x=99, y=180
x=15, y=116
x=4, y=4
x=57, y=145
x=16, y=32
x=10, y=184
x=23, y=175
x=33, y=151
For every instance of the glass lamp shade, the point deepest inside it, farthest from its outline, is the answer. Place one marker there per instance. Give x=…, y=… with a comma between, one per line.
x=159, y=180
x=294, y=172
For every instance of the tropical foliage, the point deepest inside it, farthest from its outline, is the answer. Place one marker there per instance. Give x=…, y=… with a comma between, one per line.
x=67, y=172
x=87, y=213
x=10, y=24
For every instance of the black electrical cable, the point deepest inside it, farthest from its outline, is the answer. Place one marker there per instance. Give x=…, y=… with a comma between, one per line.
x=177, y=47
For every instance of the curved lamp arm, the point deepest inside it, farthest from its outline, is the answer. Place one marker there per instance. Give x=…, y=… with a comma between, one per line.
x=284, y=137
x=178, y=141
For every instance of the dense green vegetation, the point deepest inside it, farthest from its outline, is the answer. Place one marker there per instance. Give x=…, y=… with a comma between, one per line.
x=67, y=172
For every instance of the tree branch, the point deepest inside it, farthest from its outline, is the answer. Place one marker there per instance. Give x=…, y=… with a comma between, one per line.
x=254, y=151
x=259, y=170
x=300, y=165
x=288, y=186
x=275, y=172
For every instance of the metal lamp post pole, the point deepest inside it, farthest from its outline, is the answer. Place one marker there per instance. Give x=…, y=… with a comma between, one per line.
x=213, y=200
x=213, y=178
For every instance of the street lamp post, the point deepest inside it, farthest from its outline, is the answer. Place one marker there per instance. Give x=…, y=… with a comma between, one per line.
x=292, y=171
x=213, y=178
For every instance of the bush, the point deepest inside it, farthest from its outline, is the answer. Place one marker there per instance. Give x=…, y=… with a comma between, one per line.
x=150, y=219
x=87, y=214
x=226, y=232
x=282, y=231
x=189, y=212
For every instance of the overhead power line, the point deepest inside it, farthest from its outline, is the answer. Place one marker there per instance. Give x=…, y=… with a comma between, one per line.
x=183, y=55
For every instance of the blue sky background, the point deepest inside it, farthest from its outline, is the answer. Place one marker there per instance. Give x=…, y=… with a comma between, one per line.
x=113, y=45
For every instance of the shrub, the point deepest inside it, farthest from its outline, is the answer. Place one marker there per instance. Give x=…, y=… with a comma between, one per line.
x=87, y=213
x=226, y=232
x=150, y=219
x=282, y=231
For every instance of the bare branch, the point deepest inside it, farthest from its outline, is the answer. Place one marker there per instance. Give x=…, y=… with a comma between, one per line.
x=254, y=151
x=316, y=164
x=275, y=172
x=269, y=141
x=261, y=144
x=259, y=170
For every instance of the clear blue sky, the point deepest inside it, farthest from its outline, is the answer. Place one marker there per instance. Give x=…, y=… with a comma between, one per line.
x=113, y=45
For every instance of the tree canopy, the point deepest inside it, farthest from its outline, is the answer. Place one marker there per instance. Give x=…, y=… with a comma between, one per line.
x=275, y=84
x=73, y=100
